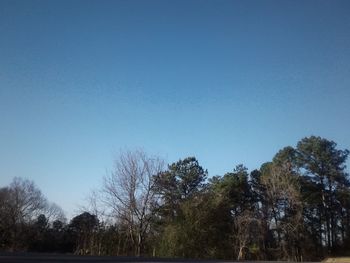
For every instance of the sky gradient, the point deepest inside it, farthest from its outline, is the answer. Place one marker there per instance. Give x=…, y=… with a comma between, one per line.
x=229, y=82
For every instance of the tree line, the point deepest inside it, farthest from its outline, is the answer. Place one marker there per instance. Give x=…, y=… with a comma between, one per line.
x=295, y=207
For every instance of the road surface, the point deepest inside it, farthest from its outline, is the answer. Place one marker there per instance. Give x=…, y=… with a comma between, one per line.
x=55, y=258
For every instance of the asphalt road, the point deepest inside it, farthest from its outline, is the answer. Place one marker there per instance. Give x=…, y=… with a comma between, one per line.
x=55, y=258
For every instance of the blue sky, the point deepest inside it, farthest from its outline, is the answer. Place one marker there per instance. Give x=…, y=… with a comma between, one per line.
x=229, y=82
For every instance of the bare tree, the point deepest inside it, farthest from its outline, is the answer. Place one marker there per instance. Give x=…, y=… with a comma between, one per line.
x=285, y=209
x=26, y=199
x=5, y=217
x=54, y=212
x=20, y=203
x=247, y=231
x=94, y=206
x=129, y=192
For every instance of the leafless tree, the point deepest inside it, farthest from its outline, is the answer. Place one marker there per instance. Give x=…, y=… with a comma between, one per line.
x=248, y=232
x=285, y=208
x=21, y=202
x=54, y=212
x=94, y=205
x=129, y=192
x=27, y=200
x=5, y=216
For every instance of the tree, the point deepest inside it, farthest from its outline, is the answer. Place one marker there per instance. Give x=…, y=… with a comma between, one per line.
x=83, y=227
x=286, y=158
x=26, y=200
x=284, y=209
x=129, y=192
x=236, y=188
x=54, y=212
x=21, y=202
x=236, y=197
x=248, y=234
x=324, y=172
x=5, y=219
x=39, y=237
x=181, y=211
x=180, y=182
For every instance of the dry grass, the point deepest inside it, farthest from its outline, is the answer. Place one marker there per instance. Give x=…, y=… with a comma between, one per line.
x=337, y=260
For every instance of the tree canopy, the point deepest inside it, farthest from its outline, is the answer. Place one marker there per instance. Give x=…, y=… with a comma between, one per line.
x=294, y=207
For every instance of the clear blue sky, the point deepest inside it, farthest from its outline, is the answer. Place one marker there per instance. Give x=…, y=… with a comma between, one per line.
x=226, y=81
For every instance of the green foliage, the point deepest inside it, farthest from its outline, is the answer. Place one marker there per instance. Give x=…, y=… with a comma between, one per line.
x=324, y=178
x=296, y=207
x=183, y=180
